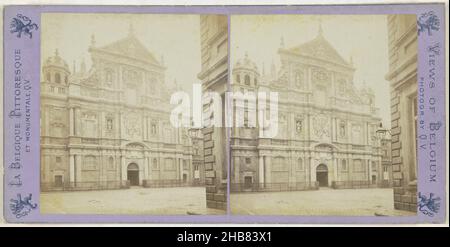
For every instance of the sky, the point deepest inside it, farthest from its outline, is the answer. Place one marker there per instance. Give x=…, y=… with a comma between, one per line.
x=176, y=37
x=362, y=37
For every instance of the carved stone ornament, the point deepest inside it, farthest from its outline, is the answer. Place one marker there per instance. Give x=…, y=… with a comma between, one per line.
x=133, y=127
x=321, y=126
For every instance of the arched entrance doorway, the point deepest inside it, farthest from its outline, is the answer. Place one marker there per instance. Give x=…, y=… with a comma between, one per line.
x=322, y=175
x=133, y=174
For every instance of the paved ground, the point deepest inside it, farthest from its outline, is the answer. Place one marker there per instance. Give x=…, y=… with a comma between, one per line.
x=138, y=200
x=345, y=202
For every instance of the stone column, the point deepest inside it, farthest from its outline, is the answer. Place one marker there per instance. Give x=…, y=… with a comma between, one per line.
x=350, y=168
x=77, y=122
x=236, y=166
x=177, y=165
x=145, y=166
x=313, y=174
x=268, y=170
x=78, y=166
x=181, y=168
x=144, y=126
x=123, y=167
x=72, y=169
x=333, y=129
x=261, y=171
x=71, y=122
x=149, y=167
x=44, y=122
x=122, y=125
x=335, y=168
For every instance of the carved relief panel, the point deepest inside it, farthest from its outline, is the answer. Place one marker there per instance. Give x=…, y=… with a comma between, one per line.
x=133, y=126
x=321, y=127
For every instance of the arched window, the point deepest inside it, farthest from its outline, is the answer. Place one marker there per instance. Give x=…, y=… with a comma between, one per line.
x=57, y=78
x=300, y=166
x=66, y=79
x=344, y=165
x=238, y=78
x=47, y=77
x=247, y=80
x=256, y=81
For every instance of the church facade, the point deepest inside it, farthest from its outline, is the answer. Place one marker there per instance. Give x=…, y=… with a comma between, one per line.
x=108, y=126
x=326, y=125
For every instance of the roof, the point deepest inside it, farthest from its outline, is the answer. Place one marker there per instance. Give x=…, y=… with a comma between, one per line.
x=57, y=61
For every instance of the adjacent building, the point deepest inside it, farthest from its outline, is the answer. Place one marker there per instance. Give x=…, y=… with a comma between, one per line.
x=326, y=125
x=214, y=78
x=402, y=75
x=108, y=126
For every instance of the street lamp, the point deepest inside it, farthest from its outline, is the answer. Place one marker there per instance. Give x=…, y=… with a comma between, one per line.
x=381, y=132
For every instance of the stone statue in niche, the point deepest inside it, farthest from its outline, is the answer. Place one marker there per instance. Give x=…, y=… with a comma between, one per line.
x=342, y=129
x=299, y=125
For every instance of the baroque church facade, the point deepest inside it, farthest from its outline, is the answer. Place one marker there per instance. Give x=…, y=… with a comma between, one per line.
x=326, y=126
x=108, y=126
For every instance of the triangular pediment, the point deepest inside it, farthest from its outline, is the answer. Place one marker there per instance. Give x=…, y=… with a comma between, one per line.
x=320, y=48
x=130, y=47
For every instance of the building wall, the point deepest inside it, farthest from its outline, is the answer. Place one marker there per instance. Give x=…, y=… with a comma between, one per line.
x=403, y=83
x=214, y=51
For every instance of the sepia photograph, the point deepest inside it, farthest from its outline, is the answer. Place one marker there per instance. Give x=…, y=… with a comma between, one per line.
x=107, y=143
x=343, y=139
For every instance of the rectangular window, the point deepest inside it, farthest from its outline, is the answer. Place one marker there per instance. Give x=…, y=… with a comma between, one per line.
x=248, y=160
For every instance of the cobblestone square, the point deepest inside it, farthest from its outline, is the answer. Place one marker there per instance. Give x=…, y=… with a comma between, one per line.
x=329, y=202
x=136, y=200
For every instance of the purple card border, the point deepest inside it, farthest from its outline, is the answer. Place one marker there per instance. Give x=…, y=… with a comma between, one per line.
x=30, y=49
